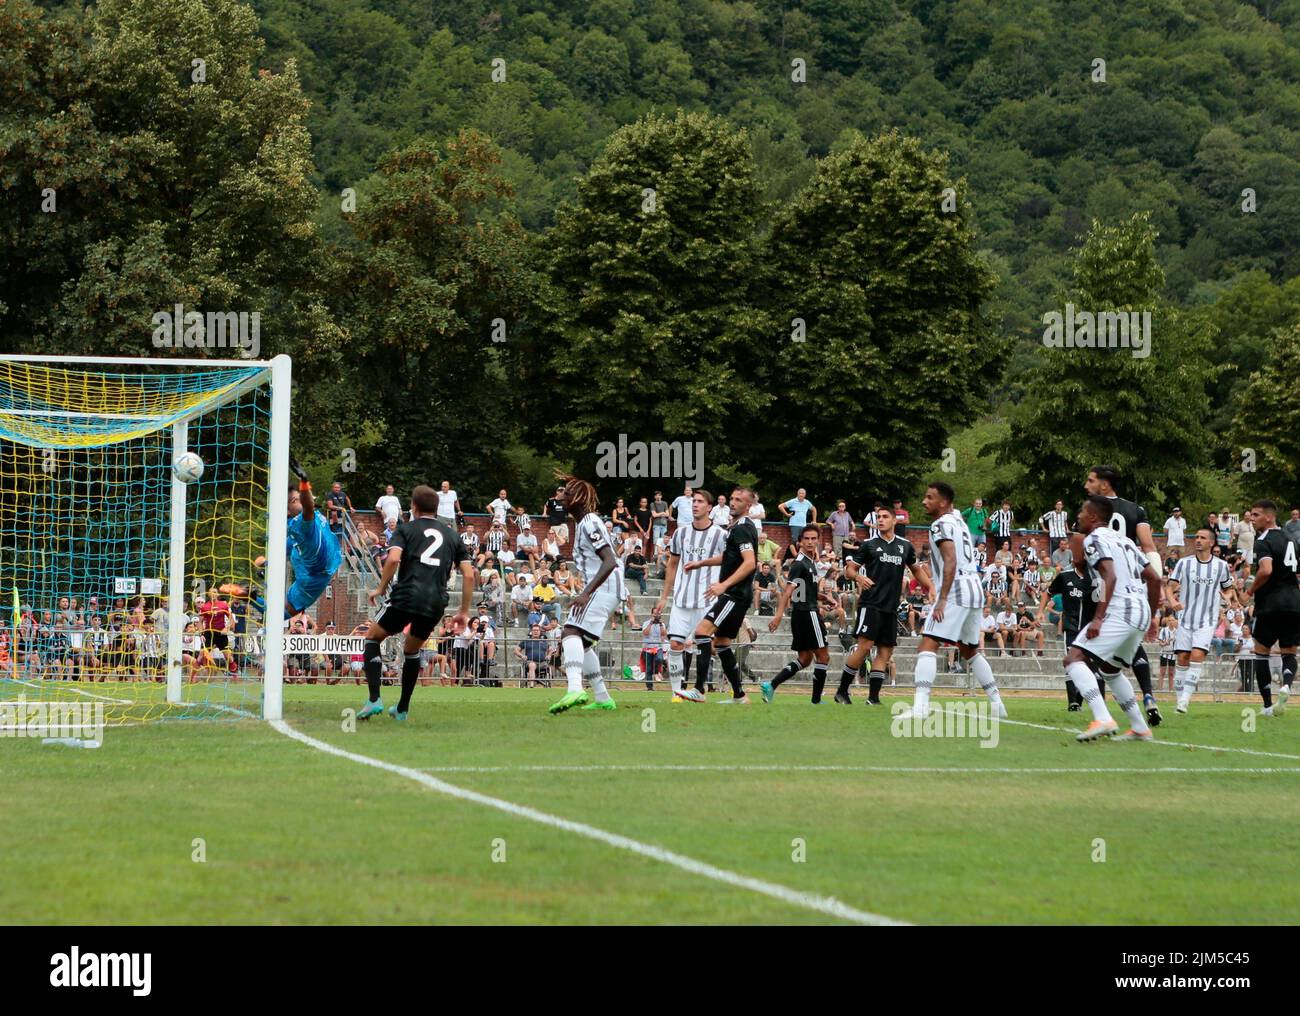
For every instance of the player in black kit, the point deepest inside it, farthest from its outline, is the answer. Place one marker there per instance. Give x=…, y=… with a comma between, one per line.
x=421, y=553
x=734, y=591
x=808, y=634
x=1128, y=519
x=877, y=566
x=1277, y=603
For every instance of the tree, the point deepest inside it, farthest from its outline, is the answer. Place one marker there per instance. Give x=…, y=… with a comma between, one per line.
x=1266, y=425
x=135, y=178
x=888, y=285
x=440, y=291
x=1087, y=406
x=647, y=328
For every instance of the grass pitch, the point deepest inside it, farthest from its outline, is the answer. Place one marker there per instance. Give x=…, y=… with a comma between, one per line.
x=818, y=800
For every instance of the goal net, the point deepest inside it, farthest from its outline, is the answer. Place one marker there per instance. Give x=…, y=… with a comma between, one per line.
x=130, y=595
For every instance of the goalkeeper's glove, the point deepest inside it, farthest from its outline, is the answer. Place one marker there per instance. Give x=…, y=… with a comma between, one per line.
x=298, y=471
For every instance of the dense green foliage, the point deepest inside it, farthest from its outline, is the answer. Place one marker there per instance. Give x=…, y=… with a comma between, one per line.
x=498, y=152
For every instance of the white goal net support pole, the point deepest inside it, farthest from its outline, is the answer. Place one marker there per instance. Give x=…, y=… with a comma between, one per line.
x=277, y=536
x=176, y=614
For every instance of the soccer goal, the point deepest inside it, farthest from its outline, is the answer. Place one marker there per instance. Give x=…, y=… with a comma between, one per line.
x=107, y=554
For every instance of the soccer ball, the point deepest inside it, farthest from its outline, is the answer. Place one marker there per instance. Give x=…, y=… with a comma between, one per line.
x=188, y=467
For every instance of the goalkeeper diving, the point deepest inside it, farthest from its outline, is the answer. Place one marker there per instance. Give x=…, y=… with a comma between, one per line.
x=313, y=549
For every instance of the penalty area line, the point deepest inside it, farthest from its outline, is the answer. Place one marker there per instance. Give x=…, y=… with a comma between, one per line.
x=809, y=901
x=1157, y=741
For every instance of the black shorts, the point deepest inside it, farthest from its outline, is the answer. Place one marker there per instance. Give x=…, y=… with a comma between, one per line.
x=215, y=638
x=877, y=625
x=726, y=615
x=1281, y=628
x=807, y=632
x=394, y=619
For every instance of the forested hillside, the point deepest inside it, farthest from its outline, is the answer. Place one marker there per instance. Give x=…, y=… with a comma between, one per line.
x=792, y=139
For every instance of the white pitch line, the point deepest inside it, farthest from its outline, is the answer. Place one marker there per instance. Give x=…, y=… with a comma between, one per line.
x=76, y=691
x=1168, y=744
x=822, y=904
x=850, y=769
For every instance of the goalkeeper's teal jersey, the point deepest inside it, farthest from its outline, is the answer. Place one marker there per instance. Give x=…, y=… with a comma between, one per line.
x=313, y=548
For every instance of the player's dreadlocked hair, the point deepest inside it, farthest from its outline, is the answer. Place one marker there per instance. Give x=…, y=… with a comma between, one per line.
x=580, y=495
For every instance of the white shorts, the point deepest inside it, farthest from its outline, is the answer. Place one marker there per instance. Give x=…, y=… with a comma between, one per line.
x=1115, y=644
x=959, y=624
x=593, y=618
x=1247, y=553
x=1187, y=639
x=683, y=621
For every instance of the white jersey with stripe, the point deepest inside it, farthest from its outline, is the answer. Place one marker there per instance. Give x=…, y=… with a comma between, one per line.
x=1199, y=585
x=588, y=540
x=1129, y=598
x=966, y=590
x=691, y=544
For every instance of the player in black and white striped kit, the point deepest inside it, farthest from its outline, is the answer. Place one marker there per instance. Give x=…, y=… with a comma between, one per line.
x=1194, y=590
x=1277, y=603
x=1130, y=521
x=591, y=609
x=959, y=601
x=1125, y=611
x=699, y=541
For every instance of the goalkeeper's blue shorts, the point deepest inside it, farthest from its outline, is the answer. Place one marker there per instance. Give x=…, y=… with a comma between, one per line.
x=307, y=589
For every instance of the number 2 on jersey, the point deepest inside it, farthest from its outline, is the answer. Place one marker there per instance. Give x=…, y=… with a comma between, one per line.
x=427, y=557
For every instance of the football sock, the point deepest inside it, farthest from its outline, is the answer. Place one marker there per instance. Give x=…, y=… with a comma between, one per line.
x=984, y=674
x=1288, y=668
x=571, y=653
x=591, y=671
x=846, y=678
x=1264, y=679
x=1142, y=670
x=410, y=674
x=374, y=667
x=927, y=665
x=1085, y=682
x=819, y=681
x=687, y=656
x=704, y=659
x=1180, y=685
x=1123, y=692
x=674, y=670
x=729, y=667
x=787, y=672
x=877, y=678
x=1072, y=695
